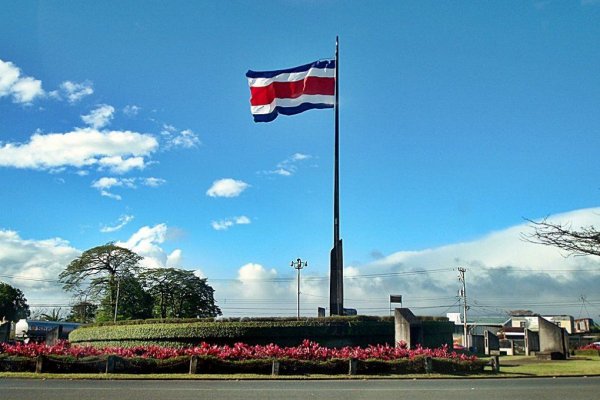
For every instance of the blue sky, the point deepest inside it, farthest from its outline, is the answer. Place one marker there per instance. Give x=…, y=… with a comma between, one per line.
x=457, y=120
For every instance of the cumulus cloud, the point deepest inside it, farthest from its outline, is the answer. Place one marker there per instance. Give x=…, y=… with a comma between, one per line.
x=99, y=117
x=225, y=224
x=147, y=242
x=174, y=259
x=105, y=183
x=123, y=220
x=289, y=166
x=23, y=89
x=227, y=188
x=504, y=273
x=33, y=265
x=116, y=151
x=74, y=91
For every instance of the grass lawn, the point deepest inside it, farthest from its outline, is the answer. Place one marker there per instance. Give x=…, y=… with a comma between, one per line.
x=530, y=366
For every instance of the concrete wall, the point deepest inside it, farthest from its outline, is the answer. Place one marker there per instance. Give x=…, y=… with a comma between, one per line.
x=425, y=331
x=552, y=339
x=477, y=343
x=405, y=326
x=532, y=342
x=564, y=321
x=507, y=347
x=4, y=331
x=491, y=343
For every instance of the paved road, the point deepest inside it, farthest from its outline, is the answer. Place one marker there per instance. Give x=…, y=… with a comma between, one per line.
x=464, y=389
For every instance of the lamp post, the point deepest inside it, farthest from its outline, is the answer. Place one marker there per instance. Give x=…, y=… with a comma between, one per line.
x=298, y=265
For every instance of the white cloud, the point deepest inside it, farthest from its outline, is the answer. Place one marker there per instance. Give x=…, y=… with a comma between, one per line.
x=168, y=130
x=153, y=182
x=174, y=259
x=120, y=165
x=174, y=138
x=104, y=184
x=225, y=224
x=147, y=242
x=186, y=139
x=36, y=262
x=33, y=265
x=74, y=91
x=289, y=166
x=99, y=117
x=256, y=291
x=504, y=273
x=23, y=89
x=123, y=220
x=106, y=193
x=227, y=188
x=117, y=151
x=131, y=110
x=299, y=157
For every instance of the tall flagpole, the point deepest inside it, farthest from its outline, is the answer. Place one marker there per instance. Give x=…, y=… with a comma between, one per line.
x=336, y=278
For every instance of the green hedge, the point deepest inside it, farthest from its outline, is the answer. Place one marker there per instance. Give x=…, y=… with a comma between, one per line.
x=340, y=331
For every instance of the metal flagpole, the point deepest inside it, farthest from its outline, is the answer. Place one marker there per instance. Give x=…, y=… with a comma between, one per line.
x=336, y=279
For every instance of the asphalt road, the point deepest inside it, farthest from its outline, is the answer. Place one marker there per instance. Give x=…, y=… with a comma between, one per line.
x=463, y=389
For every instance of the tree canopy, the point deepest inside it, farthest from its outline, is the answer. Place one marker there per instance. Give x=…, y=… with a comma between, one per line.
x=110, y=276
x=83, y=311
x=13, y=304
x=133, y=301
x=179, y=293
x=97, y=272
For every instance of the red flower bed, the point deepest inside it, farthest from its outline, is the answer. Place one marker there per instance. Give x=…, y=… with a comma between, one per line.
x=591, y=346
x=306, y=351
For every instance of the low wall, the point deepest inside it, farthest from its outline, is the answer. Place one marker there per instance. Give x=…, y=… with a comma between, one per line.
x=424, y=331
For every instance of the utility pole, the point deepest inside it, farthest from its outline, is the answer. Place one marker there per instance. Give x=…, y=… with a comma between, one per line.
x=463, y=294
x=117, y=299
x=298, y=265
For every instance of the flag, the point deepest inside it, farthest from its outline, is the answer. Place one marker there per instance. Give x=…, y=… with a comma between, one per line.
x=291, y=91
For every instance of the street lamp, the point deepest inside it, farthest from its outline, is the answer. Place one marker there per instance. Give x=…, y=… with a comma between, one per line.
x=298, y=265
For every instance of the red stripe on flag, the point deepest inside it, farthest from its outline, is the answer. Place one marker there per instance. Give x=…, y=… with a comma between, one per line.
x=262, y=95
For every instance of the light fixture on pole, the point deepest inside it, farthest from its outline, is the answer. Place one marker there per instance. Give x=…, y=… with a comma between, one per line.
x=298, y=265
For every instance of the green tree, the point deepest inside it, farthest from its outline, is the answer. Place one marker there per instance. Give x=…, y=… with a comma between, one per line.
x=13, y=304
x=133, y=301
x=83, y=312
x=54, y=314
x=97, y=271
x=179, y=293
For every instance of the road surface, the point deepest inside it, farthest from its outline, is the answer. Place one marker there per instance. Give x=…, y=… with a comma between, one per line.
x=425, y=389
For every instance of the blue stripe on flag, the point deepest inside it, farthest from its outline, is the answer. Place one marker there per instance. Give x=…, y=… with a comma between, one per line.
x=322, y=64
x=289, y=111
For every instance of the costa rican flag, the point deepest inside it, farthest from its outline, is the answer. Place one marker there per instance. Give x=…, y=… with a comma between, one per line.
x=291, y=91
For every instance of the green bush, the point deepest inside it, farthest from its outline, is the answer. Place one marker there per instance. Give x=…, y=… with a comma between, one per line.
x=338, y=331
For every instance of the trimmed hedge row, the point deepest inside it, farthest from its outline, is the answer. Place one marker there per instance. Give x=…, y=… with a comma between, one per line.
x=211, y=365
x=340, y=331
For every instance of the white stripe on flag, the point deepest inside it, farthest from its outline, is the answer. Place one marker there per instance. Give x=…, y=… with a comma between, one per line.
x=295, y=76
x=306, y=98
